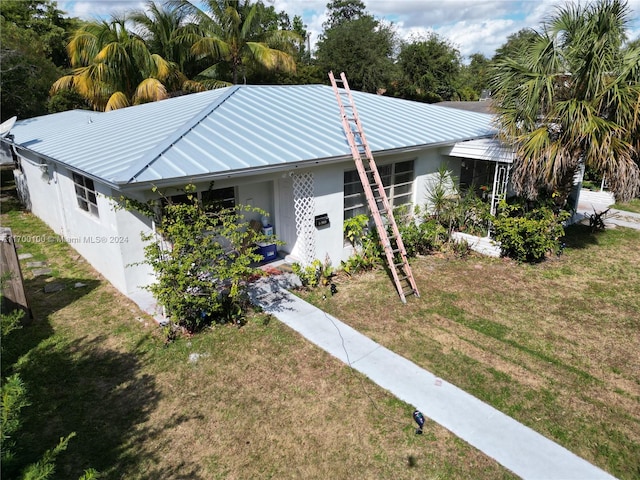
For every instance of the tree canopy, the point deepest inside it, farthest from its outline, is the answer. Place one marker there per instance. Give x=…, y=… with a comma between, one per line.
x=230, y=35
x=32, y=53
x=359, y=45
x=26, y=72
x=569, y=95
x=432, y=66
x=169, y=48
x=341, y=11
x=113, y=68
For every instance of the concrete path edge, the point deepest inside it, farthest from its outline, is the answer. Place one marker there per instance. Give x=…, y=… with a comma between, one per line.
x=515, y=446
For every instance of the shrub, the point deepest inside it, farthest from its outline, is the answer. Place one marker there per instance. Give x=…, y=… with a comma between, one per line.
x=528, y=236
x=310, y=275
x=422, y=238
x=367, y=255
x=473, y=214
x=454, y=209
x=203, y=261
x=368, y=252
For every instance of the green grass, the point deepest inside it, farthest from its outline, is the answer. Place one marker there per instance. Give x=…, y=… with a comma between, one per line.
x=260, y=401
x=554, y=345
x=631, y=206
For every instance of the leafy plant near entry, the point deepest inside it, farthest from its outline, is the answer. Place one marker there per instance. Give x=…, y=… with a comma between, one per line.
x=419, y=238
x=203, y=261
x=318, y=273
x=367, y=251
x=355, y=229
x=309, y=275
x=454, y=209
x=529, y=235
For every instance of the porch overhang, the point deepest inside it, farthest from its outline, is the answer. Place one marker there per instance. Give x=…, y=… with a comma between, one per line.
x=489, y=149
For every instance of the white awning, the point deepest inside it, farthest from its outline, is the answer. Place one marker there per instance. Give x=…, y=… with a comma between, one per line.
x=490, y=149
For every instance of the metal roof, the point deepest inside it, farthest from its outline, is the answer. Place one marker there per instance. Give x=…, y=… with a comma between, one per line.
x=236, y=129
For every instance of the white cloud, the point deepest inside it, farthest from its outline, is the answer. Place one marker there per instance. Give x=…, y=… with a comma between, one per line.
x=470, y=25
x=99, y=9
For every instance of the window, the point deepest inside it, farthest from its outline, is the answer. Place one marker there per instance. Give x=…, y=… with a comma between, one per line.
x=218, y=199
x=86, y=194
x=211, y=200
x=476, y=174
x=397, y=179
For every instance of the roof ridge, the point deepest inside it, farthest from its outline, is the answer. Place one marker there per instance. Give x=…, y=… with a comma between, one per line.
x=132, y=172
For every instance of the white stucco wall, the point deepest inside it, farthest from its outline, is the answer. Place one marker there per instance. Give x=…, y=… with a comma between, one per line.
x=43, y=192
x=130, y=227
x=427, y=166
x=109, y=242
x=258, y=192
x=329, y=193
x=112, y=244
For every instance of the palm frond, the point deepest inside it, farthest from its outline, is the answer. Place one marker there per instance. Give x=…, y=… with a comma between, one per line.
x=271, y=58
x=149, y=90
x=212, y=47
x=116, y=101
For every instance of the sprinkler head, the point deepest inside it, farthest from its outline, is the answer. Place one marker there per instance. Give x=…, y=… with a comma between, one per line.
x=419, y=418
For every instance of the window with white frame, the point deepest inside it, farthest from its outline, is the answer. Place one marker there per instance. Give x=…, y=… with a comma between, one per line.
x=212, y=200
x=397, y=179
x=85, y=194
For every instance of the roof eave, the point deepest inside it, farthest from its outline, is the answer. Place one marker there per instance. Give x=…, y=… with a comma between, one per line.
x=284, y=167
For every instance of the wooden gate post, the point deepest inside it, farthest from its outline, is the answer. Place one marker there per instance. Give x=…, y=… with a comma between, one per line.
x=13, y=294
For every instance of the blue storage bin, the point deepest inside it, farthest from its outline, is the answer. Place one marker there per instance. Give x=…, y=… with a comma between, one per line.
x=268, y=251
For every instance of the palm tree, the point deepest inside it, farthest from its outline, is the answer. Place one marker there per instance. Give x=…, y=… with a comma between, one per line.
x=229, y=35
x=113, y=68
x=161, y=28
x=570, y=96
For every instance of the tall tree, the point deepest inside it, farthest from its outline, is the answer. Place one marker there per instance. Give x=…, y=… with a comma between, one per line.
x=163, y=28
x=42, y=18
x=341, y=11
x=159, y=27
x=432, y=67
x=230, y=34
x=515, y=43
x=359, y=45
x=32, y=51
x=113, y=68
x=26, y=73
x=571, y=96
x=474, y=77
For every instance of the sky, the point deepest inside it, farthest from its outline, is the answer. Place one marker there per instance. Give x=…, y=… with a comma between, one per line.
x=471, y=26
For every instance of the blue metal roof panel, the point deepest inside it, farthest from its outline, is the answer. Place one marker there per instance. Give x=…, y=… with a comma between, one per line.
x=238, y=128
x=107, y=144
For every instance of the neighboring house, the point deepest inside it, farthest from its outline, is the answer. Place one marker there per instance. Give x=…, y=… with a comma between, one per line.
x=280, y=148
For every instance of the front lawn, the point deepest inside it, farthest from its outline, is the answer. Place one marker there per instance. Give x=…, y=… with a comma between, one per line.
x=631, y=206
x=554, y=345
x=237, y=403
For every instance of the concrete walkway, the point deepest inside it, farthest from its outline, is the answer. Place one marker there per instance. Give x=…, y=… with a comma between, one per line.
x=591, y=202
x=515, y=446
x=613, y=218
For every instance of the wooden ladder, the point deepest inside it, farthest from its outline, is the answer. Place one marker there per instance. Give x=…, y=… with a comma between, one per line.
x=374, y=191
